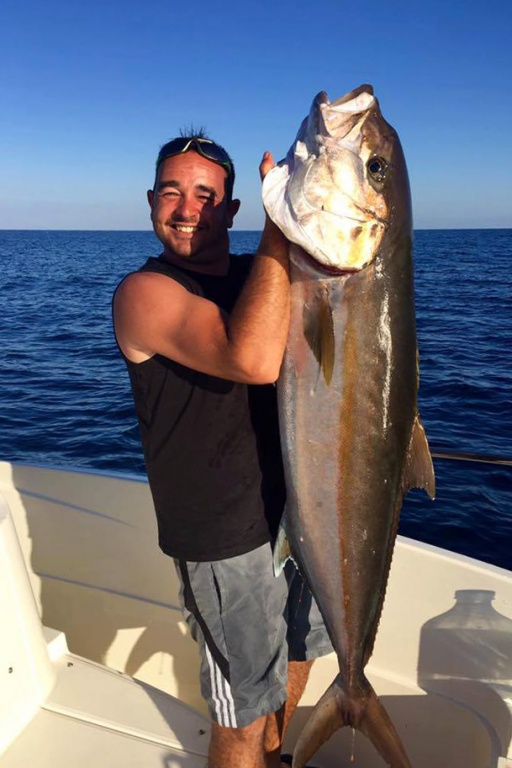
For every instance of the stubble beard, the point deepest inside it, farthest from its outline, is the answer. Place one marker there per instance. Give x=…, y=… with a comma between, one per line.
x=194, y=249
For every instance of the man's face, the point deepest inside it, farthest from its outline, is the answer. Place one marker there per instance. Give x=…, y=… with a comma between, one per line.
x=189, y=210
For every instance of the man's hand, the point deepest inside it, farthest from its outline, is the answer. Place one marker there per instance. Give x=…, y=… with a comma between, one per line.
x=267, y=163
x=272, y=239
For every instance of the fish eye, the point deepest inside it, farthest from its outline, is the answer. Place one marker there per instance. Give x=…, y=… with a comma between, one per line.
x=377, y=168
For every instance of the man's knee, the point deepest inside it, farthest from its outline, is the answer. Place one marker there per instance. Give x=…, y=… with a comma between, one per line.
x=298, y=674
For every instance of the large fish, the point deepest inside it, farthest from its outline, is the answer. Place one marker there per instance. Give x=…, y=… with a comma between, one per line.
x=352, y=439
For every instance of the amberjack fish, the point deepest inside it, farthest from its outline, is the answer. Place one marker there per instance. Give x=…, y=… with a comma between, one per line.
x=352, y=439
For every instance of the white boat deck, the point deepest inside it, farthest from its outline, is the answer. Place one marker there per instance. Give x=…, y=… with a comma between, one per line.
x=58, y=709
x=78, y=550
x=94, y=717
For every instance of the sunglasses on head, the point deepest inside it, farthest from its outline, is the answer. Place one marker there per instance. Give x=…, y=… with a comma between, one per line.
x=205, y=147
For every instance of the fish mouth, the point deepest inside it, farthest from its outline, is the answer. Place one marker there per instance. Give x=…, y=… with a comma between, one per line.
x=329, y=270
x=343, y=113
x=352, y=95
x=322, y=99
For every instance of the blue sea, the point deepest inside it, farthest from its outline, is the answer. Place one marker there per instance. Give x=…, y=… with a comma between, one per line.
x=65, y=398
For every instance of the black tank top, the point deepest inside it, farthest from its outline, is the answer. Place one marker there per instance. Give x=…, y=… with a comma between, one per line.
x=211, y=446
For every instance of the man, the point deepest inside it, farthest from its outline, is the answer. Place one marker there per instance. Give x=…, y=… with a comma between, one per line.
x=198, y=329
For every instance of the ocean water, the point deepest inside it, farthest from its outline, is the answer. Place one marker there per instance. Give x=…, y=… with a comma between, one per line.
x=65, y=398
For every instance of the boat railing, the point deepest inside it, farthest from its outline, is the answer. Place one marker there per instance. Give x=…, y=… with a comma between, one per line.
x=484, y=459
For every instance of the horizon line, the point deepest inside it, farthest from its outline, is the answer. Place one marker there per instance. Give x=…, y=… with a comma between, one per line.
x=233, y=231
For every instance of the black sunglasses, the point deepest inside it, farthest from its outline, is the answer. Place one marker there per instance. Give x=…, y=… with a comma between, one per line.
x=204, y=147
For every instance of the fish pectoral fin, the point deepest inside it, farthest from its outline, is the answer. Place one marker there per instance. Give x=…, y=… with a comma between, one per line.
x=419, y=470
x=281, y=552
x=319, y=332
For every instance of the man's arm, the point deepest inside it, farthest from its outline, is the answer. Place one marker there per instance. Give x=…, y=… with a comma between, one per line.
x=156, y=315
x=258, y=326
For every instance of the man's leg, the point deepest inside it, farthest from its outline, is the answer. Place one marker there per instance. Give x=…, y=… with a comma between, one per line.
x=239, y=747
x=259, y=744
x=307, y=639
x=235, y=610
x=277, y=724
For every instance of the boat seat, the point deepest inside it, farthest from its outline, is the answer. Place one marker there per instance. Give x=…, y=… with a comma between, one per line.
x=58, y=709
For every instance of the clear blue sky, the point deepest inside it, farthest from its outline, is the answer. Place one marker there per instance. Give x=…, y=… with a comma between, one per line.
x=90, y=90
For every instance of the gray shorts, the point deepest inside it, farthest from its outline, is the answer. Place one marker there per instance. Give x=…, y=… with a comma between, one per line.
x=249, y=624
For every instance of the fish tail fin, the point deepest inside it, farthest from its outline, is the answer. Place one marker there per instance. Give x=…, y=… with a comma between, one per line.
x=361, y=710
x=377, y=725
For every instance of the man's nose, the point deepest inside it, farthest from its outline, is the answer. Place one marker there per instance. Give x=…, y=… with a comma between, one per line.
x=186, y=208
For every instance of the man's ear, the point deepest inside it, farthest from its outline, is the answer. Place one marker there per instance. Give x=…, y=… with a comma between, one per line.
x=150, y=197
x=233, y=208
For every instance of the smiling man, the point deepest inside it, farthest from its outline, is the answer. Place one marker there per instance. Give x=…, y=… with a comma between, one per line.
x=203, y=335
x=192, y=212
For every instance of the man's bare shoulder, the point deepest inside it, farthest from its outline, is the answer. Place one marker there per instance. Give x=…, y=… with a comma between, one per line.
x=147, y=307
x=137, y=282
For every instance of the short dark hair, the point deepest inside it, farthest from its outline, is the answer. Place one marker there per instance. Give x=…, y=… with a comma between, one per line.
x=199, y=142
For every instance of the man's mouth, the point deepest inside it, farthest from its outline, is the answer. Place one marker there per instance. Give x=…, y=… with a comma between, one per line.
x=186, y=228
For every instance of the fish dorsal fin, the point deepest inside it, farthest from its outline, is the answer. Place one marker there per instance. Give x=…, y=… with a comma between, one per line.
x=319, y=332
x=419, y=470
